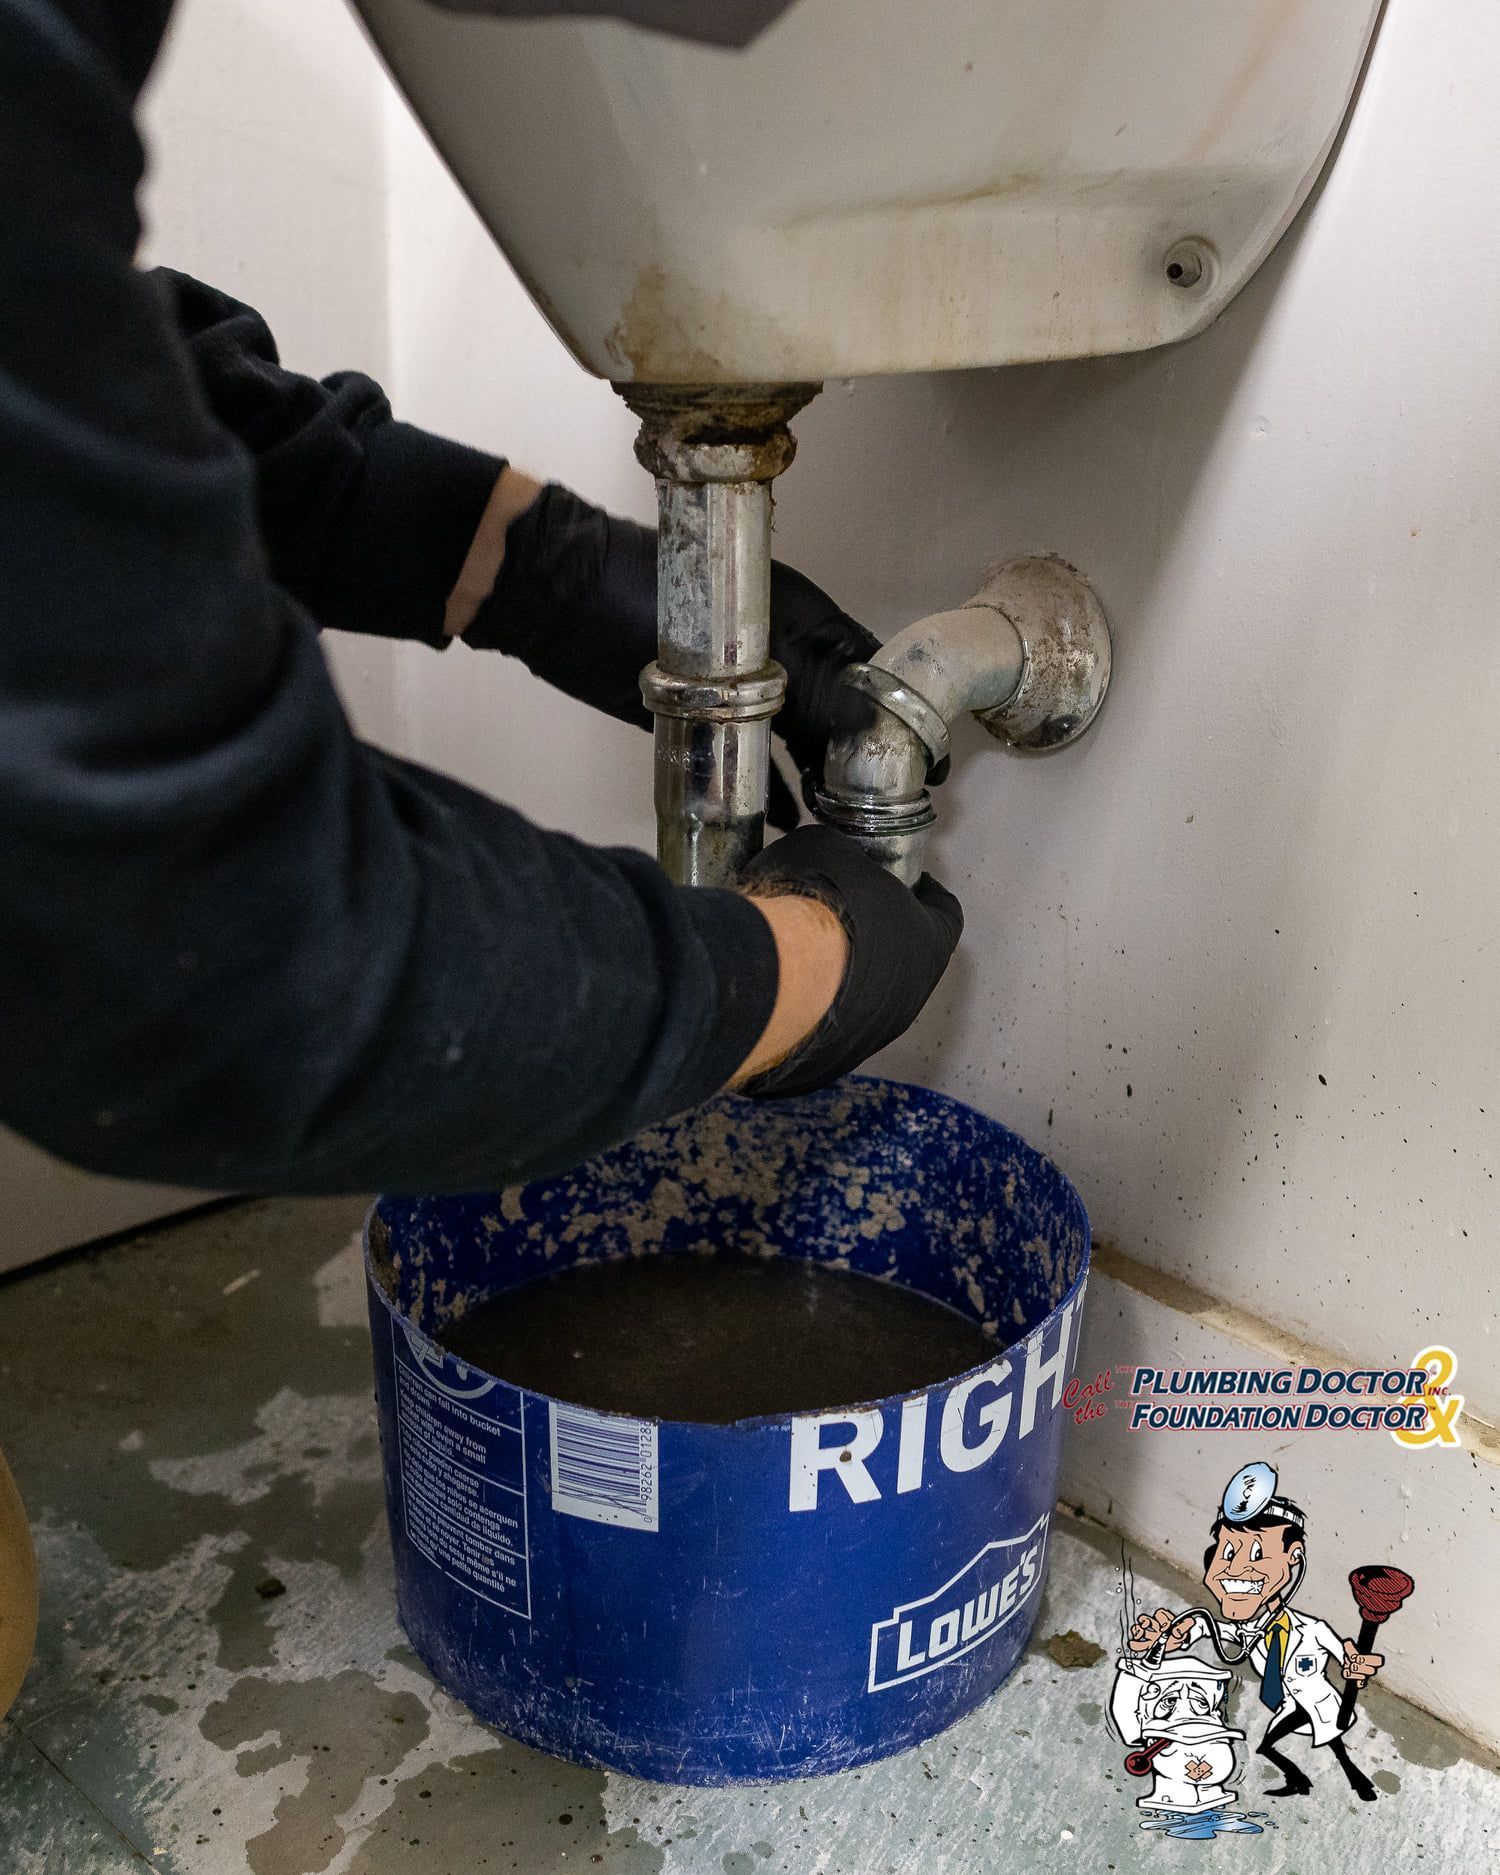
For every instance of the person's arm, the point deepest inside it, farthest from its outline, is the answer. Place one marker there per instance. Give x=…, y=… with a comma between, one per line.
x=513, y=493
x=812, y=957
x=237, y=947
x=899, y=942
x=372, y=524
x=377, y=526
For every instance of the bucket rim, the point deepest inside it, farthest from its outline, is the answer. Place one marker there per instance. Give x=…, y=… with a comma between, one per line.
x=770, y=1421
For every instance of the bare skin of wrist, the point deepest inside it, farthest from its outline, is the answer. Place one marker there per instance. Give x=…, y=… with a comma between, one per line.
x=812, y=950
x=512, y=494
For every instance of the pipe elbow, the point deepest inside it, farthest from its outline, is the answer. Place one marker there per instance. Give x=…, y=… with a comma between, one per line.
x=1028, y=655
x=875, y=781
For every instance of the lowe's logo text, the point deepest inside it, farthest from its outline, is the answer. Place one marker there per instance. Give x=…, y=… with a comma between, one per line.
x=976, y=1418
x=986, y=1593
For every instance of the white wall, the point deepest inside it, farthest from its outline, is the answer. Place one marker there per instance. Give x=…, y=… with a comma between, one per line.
x=1279, y=856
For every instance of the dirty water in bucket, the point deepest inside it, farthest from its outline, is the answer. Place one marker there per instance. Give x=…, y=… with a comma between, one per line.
x=716, y=1337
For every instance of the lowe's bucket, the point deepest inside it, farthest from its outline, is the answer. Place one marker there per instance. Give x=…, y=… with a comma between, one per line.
x=780, y=1597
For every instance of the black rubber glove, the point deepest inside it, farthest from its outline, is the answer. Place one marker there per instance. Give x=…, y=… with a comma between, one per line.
x=575, y=601
x=900, y=941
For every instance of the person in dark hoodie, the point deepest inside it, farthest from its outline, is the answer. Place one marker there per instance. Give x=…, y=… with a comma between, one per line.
x=240, y=949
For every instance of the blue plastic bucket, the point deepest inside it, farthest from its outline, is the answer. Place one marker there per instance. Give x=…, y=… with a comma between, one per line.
x=778, y=1598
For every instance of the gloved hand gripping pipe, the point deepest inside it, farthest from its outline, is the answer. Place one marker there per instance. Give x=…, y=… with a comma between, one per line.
x=1029, y=655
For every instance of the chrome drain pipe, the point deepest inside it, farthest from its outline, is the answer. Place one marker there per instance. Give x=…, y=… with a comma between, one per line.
x=1029, y=655
x=714, y=686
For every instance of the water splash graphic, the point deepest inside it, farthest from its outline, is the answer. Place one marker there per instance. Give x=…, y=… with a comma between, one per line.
x=1200, y=1825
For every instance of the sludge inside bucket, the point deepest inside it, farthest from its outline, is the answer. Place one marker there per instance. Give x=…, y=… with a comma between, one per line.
x=781, y=1596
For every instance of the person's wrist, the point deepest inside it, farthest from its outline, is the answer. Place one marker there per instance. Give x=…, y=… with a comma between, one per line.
x=511, y=496
x=812, y=953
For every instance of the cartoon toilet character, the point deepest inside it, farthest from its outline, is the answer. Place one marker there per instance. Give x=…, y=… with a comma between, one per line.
x=1173, y=1713
x=1253, y=1568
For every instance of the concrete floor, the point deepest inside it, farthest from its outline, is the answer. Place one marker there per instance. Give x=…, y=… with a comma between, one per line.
x=221, y=1685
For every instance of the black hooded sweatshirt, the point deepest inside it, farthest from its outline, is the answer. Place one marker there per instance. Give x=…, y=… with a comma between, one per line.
x=238, y=947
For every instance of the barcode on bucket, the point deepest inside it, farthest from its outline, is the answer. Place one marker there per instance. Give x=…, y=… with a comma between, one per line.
x=604, y=1467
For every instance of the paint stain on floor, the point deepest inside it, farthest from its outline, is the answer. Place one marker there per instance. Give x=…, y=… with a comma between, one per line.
x=1072, y=1649
x=487, y=1813
x=330, y=1738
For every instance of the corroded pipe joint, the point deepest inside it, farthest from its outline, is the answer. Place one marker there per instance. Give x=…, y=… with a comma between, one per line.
x=906, y=704
x=750, y=699
x=874, y=787
x=891, y=832
x=716, y=433
x=1028, y=656
x=873, y=784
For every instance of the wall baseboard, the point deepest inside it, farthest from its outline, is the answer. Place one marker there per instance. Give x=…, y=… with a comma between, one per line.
x=50, y=1206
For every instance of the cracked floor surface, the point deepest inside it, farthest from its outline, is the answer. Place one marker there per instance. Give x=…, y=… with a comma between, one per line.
x=221, y=1687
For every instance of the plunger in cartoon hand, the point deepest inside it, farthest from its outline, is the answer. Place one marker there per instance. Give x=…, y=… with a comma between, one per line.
x=1379, y=1590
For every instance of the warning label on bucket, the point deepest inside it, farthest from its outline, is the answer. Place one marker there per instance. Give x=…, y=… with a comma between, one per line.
x=463, y=1473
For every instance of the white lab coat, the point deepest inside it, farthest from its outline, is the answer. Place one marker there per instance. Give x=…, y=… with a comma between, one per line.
x=1304, y=1680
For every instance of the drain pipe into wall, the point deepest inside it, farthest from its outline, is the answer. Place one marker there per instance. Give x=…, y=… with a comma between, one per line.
x=1028, y=655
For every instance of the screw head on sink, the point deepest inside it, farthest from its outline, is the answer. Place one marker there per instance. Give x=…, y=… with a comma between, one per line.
x=1191, y=265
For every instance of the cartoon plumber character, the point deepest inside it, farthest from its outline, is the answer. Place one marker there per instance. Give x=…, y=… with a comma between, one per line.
x=1253, y=1568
